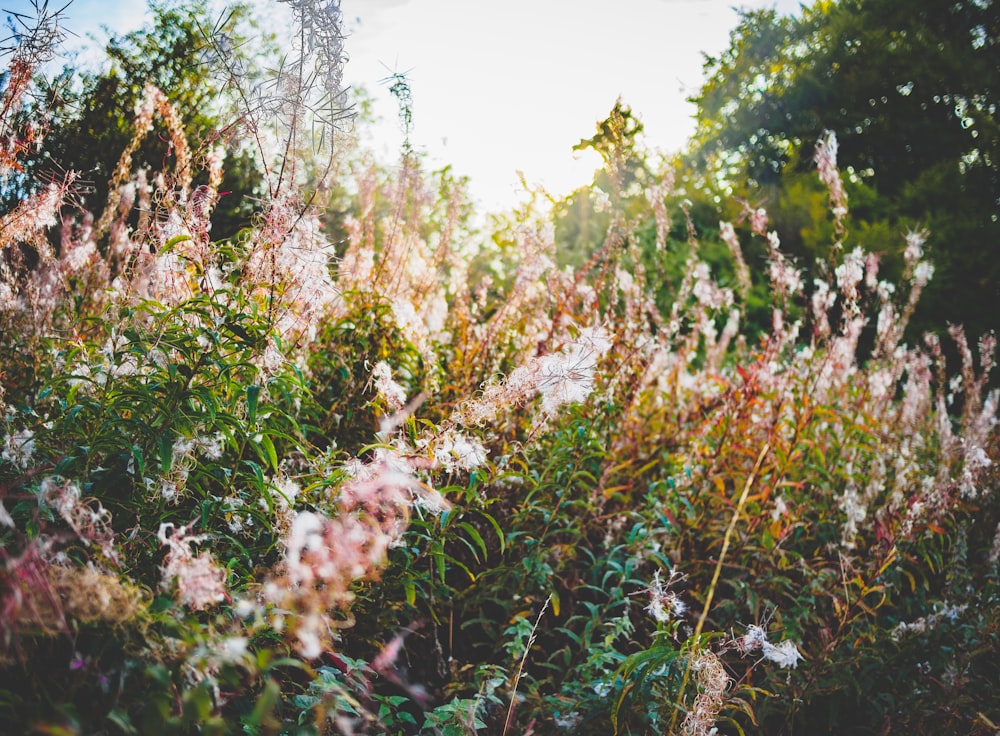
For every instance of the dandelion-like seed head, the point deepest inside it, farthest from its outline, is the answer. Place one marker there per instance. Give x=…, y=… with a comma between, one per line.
x=664, y=604
x=786, y=655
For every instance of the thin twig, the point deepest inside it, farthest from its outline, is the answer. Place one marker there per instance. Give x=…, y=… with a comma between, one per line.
x=520, y=667
x=729, y=533
x=718, y=570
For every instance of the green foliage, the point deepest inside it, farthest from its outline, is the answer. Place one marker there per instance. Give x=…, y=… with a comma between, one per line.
x=88, y=115
x=910, y=90
x=412, y=483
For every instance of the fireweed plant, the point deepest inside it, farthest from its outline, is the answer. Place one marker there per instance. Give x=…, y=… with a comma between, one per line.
x=282, y=484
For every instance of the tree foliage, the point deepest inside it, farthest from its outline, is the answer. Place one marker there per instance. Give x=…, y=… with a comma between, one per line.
x=88, y=115
x=911, y=89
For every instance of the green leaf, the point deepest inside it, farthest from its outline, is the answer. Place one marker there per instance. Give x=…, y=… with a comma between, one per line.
x=140, y=462
x=253, y=396
x=411, y=592
x=501, y=537
x=166, y=447
x=168, y=246
x=472, y=532
x=265, y=705
x=122, y=721
x=269, y=451
x=238, y=331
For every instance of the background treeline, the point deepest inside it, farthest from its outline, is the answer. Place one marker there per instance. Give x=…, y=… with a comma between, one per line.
x=909, y=88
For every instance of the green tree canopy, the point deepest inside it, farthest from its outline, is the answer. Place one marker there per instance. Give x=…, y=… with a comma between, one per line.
x=89, y=116
x=911, y=88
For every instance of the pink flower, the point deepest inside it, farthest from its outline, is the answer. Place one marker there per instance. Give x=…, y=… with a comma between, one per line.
x=393, y=394
x=826, y=163
x=200, y=581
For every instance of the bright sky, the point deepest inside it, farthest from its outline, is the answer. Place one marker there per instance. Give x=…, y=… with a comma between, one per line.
x=502, y=87
x=505, y=86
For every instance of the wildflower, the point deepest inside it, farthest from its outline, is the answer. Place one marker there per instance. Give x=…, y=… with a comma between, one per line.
x=385, y=490
x=728, y=236
x=270, y=361
x=914, y=251
x=922, y=625
x=292, y=253
x=455, y=451
x=429, y=500
x=27, y=222
x=567, y=377
x=785, y=654
x=79, y=255
x=785, y=278
x=753, y=640
x=87, y=518
x=333, y=552
x=245, y=609
x=707, y=292
x=393, y=394
x=780, y=508
x=310, y=643
x=321, y=22
x=977, y=458
x=826, y=163
x=713, y=682
x=187, y=447
x=285, y=492
x=18, y=448
x=664, y=604
x=563, y=377
x=183, y=459
x=850, y=273
x=233, y=648
x=169, y=491
x=8, y=299
x=200, y=581
x=923, y=273
x=855, y=511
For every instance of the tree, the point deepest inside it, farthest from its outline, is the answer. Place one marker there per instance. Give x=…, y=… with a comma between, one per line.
x=912, y=90
x=89, y=117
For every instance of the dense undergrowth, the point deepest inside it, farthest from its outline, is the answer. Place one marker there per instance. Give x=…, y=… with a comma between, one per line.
x=276, y=484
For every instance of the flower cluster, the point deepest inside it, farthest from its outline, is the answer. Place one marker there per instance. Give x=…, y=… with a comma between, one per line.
x=755, y=642
x=826, y=162
x=200, y=580
x=713, y=682
x=664, y=604
x=306, y=399
x=325, y=555
x=18, y=448
x=562, y=377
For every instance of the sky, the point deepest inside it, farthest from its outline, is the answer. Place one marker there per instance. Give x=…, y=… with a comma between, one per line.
x=506, y=87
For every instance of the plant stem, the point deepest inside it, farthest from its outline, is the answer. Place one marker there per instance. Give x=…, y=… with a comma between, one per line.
x=718, y=570
x=520, y=666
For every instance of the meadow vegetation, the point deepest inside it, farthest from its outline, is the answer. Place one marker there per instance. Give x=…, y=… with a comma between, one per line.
x=360, y=465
